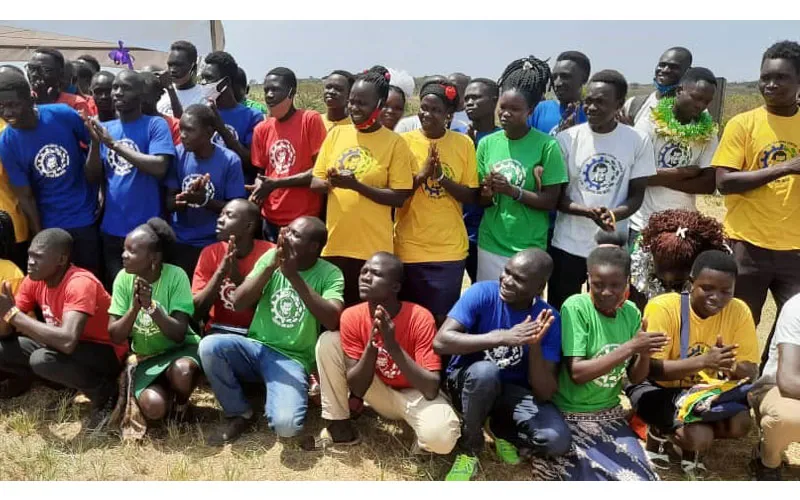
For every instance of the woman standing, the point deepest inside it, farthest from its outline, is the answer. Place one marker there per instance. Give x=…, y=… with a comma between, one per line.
x=430, y=236
x=366, y=170
x=151, y=305
x=521, y=172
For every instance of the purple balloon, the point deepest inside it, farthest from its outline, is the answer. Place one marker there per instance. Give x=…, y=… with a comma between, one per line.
x=121, y=56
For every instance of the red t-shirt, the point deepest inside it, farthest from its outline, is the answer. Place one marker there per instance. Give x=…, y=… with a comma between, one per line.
x=222, y=310
x=414, y=330
x=77, y=103
x=174, y=125
x=283, y=149
x=79, y=290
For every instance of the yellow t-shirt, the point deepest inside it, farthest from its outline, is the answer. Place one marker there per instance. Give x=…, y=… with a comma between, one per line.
x=9, y=202
x=11, y=273
x=357, y=226
x=734, y=323
x=430, y=225
x=329, y=124
x=766, y=217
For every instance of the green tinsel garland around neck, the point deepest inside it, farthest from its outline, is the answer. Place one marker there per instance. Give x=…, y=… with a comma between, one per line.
x=667, y=125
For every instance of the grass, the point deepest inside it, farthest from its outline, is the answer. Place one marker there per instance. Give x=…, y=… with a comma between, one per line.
x=41, y=439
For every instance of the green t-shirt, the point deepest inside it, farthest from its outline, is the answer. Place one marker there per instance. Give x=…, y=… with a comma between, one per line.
x=588, y=334
x=282, y=320
x=508, y=226
x=172, y=291
x=255, y=105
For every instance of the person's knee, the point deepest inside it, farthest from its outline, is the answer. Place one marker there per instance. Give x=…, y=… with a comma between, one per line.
x=553, y=438
x=483, y=376
x=44, y=363
x=739, y=425
x=696, y=437
x=182, y=374
x=286, y=422
x=440, y=436
x=153, y=404
x=327, y=344
x=209, y=347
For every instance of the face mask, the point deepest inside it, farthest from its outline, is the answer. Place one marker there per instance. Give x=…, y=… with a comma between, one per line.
x=664, y=89
x=212, y=91
x=372, y=118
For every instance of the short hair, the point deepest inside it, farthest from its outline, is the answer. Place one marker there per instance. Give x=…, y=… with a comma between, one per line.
x=225, y=62
x=610, y=256
x=614, y=238
x=784, y=50
x=251, y=210
x=104, y=74
x=319, y=232
x=7, y=235
x=83, y=70
x=346, y=74
x=54, y=238
x=184, y=46
x=529, y=76
x=241, y=77
x=715, y=260
x=162, y=237
x=11, y=78
x=286, y=75
x=202, y=113
x=686, y=53
x=91, y=61
x=579, y=58
x=675, y=237
x=494, y=90
x=55, y=54
x=613, y=78
x=698, y=74
x=377, y=79
x=441, y=92
x=541, y=260
x=396, y=267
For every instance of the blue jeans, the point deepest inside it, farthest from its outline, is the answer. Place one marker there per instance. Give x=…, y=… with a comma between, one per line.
x=229, y=359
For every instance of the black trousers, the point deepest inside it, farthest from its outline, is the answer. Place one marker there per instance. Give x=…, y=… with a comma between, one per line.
x=112, y=256
x=92, y=368
x=186, y=257
x=86, y=249
x=569, y=275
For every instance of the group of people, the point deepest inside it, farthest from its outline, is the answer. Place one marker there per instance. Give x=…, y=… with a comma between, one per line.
x=173, y=229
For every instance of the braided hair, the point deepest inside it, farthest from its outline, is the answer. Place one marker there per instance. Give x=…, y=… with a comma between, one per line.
x=529, y=76
x=676, y=237
x=7, y=235
x=447, y=93
x=379, y=80
x=162, y=237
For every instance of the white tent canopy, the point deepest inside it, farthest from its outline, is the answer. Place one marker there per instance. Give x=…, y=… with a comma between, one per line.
x=148, y=41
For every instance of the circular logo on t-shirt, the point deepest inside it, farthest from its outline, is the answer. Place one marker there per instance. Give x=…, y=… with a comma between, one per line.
x=49, y=317
x=612, y=378
x=358, y=160
x=282, y=156
x=51, y=161
x=226, y=294
x=600, y=173
x=512, y=170
x=219, y=141
x=504, y=356
x=674, y=155
x=384, y=362
x=210, y=189
x=120, y=165
x=777, y=152
x=144, y=325
x=434, y=188
x=287, y=308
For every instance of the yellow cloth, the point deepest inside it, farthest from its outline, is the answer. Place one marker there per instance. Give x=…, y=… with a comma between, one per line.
x=710, y=386
x=766, y=217
x=430, y=226
x=11, y=273
x=329, y=124
x=734, y=323
x=9, y=202
x=357, y=226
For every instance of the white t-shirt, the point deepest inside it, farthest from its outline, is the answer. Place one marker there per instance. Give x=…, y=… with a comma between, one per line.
x=649, y=103
x=669, y=155
x=600, y=168
x=460, y=123
x=787, y=331
x=187, y=97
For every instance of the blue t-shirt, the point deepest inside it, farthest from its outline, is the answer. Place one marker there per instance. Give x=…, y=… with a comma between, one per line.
x=49, y=158
x=241, y=121
x=473, y=213
x=196, y=226
x=547, y=116
x=481, y=310
x=132, y=196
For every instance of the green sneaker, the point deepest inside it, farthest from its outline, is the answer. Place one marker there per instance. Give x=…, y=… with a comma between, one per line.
x=506, y=451
x=463, y=468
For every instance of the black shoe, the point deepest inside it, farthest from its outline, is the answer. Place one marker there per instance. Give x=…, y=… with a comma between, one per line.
x=230, y=430
x=14, y=386
x=763, y=473
x=100, y=416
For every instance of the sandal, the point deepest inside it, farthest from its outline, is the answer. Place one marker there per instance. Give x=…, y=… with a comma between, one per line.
x=660, y=459
x=695, y=469
x=324, y=441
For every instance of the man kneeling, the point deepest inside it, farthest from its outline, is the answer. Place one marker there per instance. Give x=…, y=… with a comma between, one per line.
x=384, y=354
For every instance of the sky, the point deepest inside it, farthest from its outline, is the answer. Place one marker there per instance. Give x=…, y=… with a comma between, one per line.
x=731, y=49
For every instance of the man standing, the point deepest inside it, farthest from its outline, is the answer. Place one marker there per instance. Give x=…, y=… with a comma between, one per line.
x=295, y=292
x=241, y=88
x=133, y=153
x=285, y=147
x=45, y=73
x=152, y=93
x=100, y=88
x=72, y=346
x=460, y=121
x=182, y=91
x=757, y=163
x=569, y=75
x=684, y=138
x=671, y=67
x=41, y=151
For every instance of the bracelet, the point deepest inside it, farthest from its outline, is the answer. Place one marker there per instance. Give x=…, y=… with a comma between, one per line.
x=613, y=218
x=10, y=314
x=519, y=196
x=440, y=178
x=152, y=309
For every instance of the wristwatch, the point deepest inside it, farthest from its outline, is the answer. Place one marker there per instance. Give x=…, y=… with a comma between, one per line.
x=153, y=306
